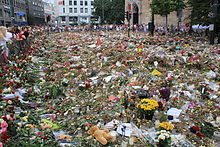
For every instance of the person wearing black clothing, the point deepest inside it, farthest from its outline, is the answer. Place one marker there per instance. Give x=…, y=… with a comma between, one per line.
x=25, y=32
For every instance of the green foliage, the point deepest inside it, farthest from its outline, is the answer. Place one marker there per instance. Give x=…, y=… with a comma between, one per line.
x=113, y=10
x=207, y=129
x=55, y=91
x=165, y=7
x=201, y=12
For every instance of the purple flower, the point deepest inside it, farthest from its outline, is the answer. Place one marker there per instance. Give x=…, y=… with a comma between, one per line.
x=165, y=92
x=191, y=105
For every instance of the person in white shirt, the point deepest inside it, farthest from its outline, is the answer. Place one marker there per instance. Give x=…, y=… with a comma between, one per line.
x=4, y=37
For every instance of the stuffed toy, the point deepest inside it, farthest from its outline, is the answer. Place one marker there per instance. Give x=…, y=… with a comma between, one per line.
x=101, y=135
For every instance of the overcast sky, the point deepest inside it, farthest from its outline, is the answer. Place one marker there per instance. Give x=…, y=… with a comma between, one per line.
x=52, y=1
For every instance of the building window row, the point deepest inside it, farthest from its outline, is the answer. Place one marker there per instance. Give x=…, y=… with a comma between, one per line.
x=5, y=2
x=38, y=4
x=74, y=2
x=82, y=10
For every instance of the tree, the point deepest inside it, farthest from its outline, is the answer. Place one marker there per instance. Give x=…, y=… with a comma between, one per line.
x=202, y=14
x=165, y=7
x=110, y=11
x=201, y=11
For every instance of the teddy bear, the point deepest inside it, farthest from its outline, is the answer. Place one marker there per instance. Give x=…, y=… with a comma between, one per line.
x=101, y=135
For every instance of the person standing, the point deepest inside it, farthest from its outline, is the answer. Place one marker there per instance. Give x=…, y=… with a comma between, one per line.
x=4, y=37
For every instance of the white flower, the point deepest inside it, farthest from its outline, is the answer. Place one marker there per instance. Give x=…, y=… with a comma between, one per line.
x=161, y=137
x=6, y=90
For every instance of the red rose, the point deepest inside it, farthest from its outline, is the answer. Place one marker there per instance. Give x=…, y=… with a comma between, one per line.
x=5, y=67
x=8, y=84
x=30, y=91
x=4, y=117
x=199, y=134
x=196, y=128
x=43, y=137
x=38, y=133
x=1, y=75
x=16, y=87
x=12, y=108
x=17, y=97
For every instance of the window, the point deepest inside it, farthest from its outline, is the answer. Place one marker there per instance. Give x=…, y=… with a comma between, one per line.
x=81, y=3
x=7, y=13
x=92, y=3
x=71, y=10
x=86, y=3
x=81, y=10
x=86, y=10
x=75, y=10
x=75, y=3
x=70, y=2
x=63, y=10
x=63, y=2
x=63, y=18
x=1, y=13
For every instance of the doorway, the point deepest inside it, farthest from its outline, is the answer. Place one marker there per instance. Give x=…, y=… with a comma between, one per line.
x=135, y=14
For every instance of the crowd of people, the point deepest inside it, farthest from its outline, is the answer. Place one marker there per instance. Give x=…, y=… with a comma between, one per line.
x=108, y=27
x=18, y=36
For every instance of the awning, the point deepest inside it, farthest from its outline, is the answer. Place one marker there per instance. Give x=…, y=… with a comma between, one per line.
x=20, y=13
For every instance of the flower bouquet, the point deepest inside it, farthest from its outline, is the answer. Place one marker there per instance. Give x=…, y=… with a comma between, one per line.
x=147, y=107
x=164, y=138
x=166, y=126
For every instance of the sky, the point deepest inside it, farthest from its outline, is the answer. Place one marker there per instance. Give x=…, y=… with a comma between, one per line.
x=52, y=1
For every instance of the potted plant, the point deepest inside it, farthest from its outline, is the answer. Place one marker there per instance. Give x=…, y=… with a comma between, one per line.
x=164, y=138
x=147, y=107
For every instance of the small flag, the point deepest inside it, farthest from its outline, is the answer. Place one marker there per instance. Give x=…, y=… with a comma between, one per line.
x=99, y=42
x=60, y=2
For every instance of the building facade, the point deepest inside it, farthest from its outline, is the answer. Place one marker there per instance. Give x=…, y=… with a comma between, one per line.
x=49, y=13
x=141, y=14
x=20, y=12
x=35, y=12
x=73, y=12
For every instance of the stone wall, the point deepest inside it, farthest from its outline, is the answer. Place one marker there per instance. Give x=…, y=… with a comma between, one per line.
x=145, y=15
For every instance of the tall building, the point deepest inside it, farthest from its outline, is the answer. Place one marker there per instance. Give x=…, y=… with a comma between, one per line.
x=20, y=12
x=73, y=12
x=35, y=12
x=49, y=12
x=141, y=14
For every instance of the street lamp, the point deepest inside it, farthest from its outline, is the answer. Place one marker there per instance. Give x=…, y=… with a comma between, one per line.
x=12, y=12
x=103, y=13
x=212, y=27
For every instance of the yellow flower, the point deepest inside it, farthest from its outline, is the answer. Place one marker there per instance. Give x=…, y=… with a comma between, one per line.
x=148, y=104
x=166, y=126
x=62, y=136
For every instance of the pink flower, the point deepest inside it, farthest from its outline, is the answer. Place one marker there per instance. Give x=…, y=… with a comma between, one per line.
x=39, y=133
x=191, y=105
x=1, y=144
x=4, y=124
x=9, y=117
